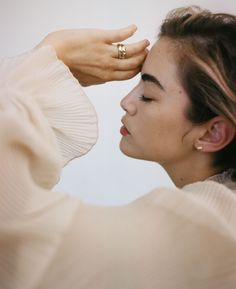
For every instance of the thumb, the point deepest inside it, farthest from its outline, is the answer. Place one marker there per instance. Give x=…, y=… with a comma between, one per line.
x=117, y=35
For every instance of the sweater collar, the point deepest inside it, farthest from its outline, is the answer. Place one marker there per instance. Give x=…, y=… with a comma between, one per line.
x=224, y=178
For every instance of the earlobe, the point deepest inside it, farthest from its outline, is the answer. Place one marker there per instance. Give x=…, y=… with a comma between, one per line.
x=219, y=133
x=198, y=147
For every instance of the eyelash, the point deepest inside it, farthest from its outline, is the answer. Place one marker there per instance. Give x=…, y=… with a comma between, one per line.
x=145, y=99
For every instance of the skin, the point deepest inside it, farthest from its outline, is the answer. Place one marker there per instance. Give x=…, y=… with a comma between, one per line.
x=158, y=128
x=91, y=54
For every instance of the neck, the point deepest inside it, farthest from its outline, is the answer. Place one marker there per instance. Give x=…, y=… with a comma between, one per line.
x=187, y=172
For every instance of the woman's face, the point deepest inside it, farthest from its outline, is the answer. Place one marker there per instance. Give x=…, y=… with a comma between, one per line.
x=155, y=126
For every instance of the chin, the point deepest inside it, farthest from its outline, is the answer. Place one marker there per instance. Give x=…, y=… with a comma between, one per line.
x=128, y=151
x=124, y=149
x=135, y=153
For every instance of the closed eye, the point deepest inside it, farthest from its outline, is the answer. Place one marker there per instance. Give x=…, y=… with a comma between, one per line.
x=145, y=99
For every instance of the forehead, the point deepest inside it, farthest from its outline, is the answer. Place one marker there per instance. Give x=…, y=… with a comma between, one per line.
x=161, y=62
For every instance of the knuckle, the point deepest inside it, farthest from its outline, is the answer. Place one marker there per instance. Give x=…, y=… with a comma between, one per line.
x=130, y=74
x=106, y=75
x=136, y=62
x=106, y=63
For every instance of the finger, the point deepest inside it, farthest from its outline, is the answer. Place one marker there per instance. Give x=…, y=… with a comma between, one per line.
x=129, y=63
x=136, y=48
x=86, y=79
x=117, y=35
x=124, y=75
x=132, y=49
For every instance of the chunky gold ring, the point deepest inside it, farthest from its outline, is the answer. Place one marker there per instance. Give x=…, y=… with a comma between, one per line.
x=121, y=51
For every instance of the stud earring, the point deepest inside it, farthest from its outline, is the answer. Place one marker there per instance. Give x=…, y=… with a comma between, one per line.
x=199, y=148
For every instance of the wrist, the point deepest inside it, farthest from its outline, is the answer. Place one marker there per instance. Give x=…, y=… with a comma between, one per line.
x=52, y=40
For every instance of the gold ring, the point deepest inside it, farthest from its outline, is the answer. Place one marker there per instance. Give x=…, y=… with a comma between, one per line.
x=121, y=51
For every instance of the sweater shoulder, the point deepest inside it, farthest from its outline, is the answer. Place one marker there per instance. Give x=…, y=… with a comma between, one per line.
x=206, y=204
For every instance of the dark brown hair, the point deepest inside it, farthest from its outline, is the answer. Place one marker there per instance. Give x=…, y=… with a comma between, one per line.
x=204, y=39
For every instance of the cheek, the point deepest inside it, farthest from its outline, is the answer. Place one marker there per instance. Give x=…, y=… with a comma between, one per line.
x=150, y=132
x=157, y=133
x=164, y=131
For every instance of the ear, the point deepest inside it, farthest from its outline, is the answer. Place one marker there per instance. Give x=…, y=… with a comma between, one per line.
x=217, y=133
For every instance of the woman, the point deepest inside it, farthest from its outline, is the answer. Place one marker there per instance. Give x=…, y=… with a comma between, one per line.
x=181, y=115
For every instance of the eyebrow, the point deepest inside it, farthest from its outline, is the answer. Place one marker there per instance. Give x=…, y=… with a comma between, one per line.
x=151, y=78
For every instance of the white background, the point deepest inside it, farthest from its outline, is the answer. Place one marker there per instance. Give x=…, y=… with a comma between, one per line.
x=104, y=176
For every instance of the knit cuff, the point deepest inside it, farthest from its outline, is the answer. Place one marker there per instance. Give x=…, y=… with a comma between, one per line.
x=70, y=114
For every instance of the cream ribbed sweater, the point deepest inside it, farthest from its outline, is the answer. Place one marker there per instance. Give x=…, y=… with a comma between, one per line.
x=168, y=239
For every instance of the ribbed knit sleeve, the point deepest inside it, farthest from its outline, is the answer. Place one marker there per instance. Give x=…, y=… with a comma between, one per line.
x=41, y=78
x=8, y=64
x=45, y=121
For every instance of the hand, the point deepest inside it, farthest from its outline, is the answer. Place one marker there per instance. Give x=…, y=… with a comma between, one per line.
x=92, y=56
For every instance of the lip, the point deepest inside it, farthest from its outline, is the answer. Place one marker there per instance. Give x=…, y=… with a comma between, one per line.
x=124, y=130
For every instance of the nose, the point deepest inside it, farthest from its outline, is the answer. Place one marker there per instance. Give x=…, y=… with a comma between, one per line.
x=128, y=103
